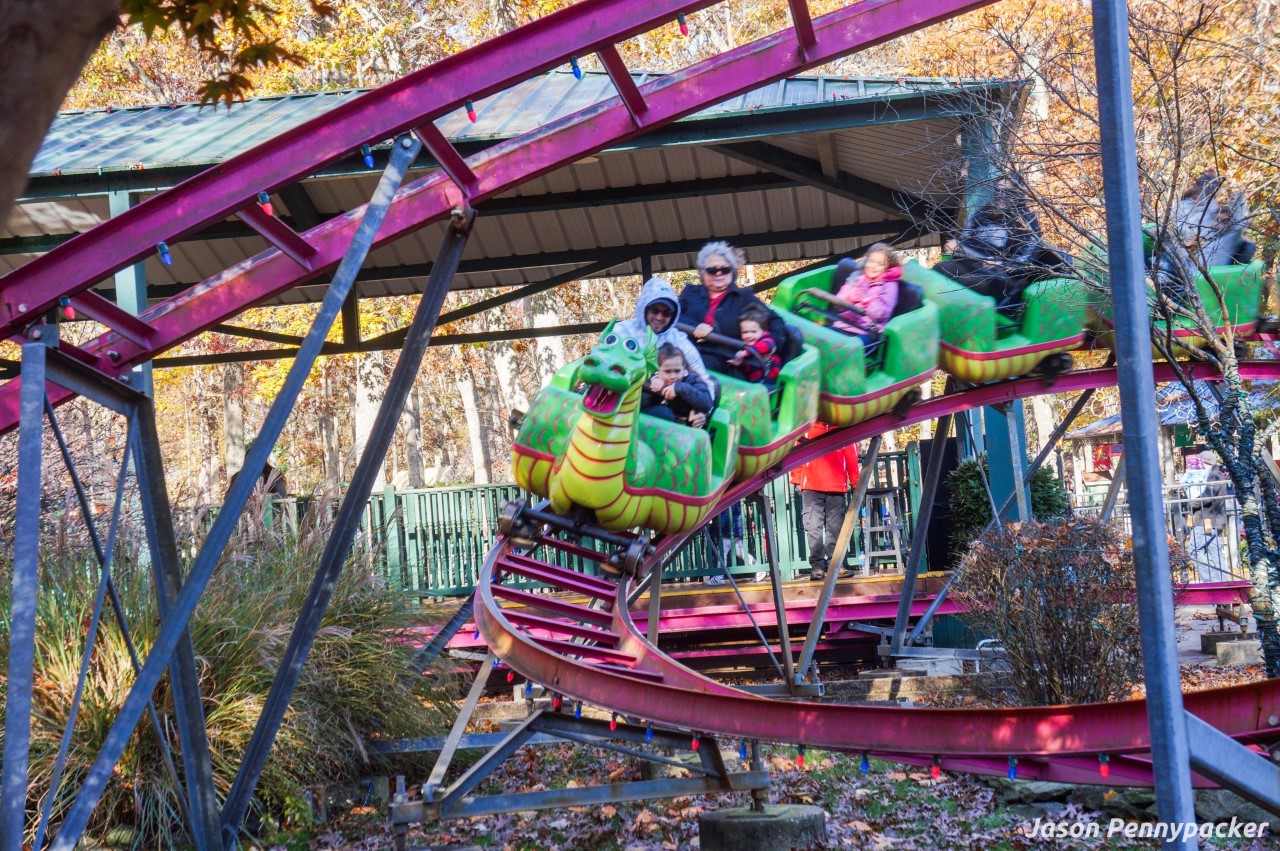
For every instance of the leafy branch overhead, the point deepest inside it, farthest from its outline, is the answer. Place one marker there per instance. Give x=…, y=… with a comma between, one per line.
x=228, y=31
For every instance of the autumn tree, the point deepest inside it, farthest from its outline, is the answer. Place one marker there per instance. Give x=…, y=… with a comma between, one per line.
x=45, y=43
x=1205, y=88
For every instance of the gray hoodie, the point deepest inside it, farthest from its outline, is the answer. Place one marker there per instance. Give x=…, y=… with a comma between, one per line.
x=653, y=290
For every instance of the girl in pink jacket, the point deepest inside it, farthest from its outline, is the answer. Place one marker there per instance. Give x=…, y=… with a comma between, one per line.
x=874, y=289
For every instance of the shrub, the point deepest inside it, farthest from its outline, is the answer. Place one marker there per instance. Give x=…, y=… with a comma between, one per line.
x=1060, y=597
x=971, y=508
x=357, y=684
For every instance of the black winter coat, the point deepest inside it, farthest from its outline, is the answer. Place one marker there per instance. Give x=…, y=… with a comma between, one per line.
x=694, y=301
x=692, y=394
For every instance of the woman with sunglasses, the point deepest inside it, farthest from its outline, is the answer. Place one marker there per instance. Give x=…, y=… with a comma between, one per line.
x=716, y=302
x=658, y=310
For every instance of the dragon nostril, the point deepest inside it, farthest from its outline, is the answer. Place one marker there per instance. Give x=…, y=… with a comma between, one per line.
x=591, y=360
x=617, y=369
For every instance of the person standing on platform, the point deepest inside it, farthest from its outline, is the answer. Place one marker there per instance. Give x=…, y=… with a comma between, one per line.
x=823, y=484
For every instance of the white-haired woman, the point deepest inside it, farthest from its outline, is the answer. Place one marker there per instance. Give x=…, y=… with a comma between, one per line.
x=716, y=302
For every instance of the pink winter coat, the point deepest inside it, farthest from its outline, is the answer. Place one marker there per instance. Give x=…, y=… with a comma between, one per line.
x=877, y=298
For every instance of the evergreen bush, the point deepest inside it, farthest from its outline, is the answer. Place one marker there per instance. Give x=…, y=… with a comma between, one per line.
x=971, y=507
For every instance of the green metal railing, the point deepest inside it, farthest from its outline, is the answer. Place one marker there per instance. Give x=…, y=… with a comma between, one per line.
x=433, y=541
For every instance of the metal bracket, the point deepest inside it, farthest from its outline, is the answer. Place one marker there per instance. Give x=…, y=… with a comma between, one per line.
x=454, y=803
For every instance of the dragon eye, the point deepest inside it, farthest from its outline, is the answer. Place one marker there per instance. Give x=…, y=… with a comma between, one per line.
x=611, y=339
x=632, y=345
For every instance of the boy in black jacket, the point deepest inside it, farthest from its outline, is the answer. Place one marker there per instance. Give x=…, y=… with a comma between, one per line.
x=674, y=393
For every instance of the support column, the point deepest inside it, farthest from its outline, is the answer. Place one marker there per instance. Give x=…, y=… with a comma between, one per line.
x=338, y=548
x=1170, y=749
x=1006, y=440
x=184, y=673
x=131, y=286
x=77, y=815
x=22, y=617
x=933, y=473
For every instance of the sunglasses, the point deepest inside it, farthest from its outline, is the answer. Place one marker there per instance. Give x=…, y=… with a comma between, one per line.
x=718, y=270
x=661, y=310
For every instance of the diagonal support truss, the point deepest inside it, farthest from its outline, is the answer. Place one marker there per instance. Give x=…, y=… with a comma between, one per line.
x=181, y=607
x=338, y=547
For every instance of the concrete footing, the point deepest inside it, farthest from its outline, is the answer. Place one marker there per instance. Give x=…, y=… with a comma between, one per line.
x=1239, y=652
x=1209, y=641
x=774, y=829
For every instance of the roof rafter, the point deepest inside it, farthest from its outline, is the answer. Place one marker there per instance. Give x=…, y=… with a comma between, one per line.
x=809, y=172
x=610, y=256
x=304, y=215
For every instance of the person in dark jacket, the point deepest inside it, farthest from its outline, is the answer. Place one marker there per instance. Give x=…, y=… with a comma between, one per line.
x=675, y=393
x=715, y=304
x=1001, y=249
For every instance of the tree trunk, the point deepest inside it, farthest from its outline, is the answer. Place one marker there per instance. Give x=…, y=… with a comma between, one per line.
x=475, y=434
x=412, y=422
x=233, y=417
x=549, y=354
x=926, y=427
x=1042, y=411
x=43, y=46
x=370, y=381
x=329, y=441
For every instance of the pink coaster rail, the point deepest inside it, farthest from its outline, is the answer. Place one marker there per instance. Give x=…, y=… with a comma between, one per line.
x=1062, y=743
x=412, y=104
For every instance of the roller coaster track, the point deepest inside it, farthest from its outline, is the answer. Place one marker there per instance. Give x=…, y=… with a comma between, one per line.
x=597, y=655
x=592, y=654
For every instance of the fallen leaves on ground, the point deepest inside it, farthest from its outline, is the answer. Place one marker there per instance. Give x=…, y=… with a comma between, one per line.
x=890, y=807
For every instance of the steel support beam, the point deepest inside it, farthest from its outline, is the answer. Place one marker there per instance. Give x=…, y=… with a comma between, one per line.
x=171, y=630
x=1170, y=750
x=819, y=617
x=1113, y=491
x=131, y=283
x=779, y=601
x=613, y=255
x=1233, y=766
x=801, y=169
x=184, y=672
x=1035, y=465
x=338, y=548
x=454, y=739
x=394, y=340
x=932, y=475
x=22, y=607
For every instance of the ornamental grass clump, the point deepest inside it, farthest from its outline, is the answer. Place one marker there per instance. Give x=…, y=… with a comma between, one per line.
x=358, y=684
x=1061, y=600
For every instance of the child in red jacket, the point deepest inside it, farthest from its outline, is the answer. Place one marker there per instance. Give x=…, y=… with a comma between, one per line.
x=764, y=365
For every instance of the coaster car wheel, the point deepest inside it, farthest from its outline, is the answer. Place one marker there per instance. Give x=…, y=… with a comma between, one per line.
x=903, y=407
x=509, y=524
x=1055, y=365
x=634, y=556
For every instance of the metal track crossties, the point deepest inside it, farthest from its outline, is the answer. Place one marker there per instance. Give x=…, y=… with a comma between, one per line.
x=578, y=30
